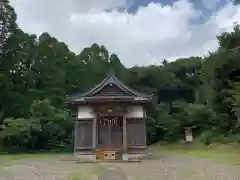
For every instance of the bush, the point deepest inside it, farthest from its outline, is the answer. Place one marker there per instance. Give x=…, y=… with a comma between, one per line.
x=207, y=137
x=46, y=128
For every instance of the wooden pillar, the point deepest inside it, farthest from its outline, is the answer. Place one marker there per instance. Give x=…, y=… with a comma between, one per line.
x=94, y=133
x=124, y=134
x=145, y=132
x=75, y=134
x=145, y=128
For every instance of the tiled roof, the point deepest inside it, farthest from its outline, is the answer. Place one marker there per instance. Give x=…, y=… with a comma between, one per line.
x=110, y=79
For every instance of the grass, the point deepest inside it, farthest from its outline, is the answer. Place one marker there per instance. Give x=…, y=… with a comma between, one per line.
x=218, y=152
x=7, y=158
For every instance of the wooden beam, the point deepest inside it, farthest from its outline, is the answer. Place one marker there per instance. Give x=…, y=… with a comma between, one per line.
x=145, y=129
x=84, y=148
x=75, y=136
x=94, y=133
x=124, y=133
x=137, y=146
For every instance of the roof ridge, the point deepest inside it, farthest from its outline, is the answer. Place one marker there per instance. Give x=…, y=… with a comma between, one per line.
x=131, y=90
x=79, y=95
x=110, y=78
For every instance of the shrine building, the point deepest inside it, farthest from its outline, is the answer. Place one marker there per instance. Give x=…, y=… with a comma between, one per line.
x=111, y=120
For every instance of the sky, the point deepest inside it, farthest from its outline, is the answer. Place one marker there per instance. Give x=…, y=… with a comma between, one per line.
x=140, y=32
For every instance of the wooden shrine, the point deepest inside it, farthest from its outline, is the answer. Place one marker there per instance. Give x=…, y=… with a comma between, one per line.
x=111, y=120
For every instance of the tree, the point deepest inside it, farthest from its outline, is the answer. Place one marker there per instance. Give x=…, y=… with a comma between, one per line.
x=236, y=2
x=164, y=62
x=7, y=21
x=37, y=73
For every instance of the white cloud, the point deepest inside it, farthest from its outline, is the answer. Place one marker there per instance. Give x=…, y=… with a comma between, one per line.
x=146, y=37
x=211, y=4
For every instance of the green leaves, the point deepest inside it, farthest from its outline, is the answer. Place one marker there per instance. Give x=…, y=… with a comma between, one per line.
x=236, y=2
x=45, y=123
x=7, y=22
x=37, y=73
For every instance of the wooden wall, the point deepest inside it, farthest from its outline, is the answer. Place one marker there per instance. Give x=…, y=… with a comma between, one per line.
x=83, y=136
x=111, y=90
x=113, y=138
x=136, y=133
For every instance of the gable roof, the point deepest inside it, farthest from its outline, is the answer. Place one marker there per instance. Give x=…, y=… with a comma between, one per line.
x=110, y=79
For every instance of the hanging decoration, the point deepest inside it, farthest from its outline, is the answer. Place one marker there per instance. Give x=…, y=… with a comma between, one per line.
x=109, y=122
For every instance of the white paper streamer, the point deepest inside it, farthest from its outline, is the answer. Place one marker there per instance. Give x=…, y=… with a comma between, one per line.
x=108, y=122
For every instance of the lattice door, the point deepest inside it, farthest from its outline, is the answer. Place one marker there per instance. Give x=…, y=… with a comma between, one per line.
x=110, y=132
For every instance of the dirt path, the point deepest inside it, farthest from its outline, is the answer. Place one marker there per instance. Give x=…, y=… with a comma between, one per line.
x=112, y=172
x=166, y=168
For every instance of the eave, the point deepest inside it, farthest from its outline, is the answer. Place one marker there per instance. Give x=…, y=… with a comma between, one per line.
x=131, y=100
x=131, y=95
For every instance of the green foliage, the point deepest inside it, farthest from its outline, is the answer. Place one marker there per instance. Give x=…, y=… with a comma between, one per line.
x=171, y=119
x=7, y=21
x=46, y=128
x=236, y=2
x=207, y=137
x=37, y=73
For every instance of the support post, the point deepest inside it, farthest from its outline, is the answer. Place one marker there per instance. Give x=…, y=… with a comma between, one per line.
x=94, y=133
x=145, y=131
x=75, y=135
x=124, y=134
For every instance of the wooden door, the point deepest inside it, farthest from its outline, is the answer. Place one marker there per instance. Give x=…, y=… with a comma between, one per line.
x=110, y=129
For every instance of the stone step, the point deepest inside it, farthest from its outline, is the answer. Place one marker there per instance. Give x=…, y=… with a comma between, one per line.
x=109, y=161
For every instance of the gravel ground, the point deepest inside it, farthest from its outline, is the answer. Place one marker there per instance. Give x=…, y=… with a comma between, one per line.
x=47, y=169
x=166, y=168
x=181, y=168
x=112, y=172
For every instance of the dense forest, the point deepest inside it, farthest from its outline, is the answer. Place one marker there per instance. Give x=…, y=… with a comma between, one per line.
x=36, y=74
